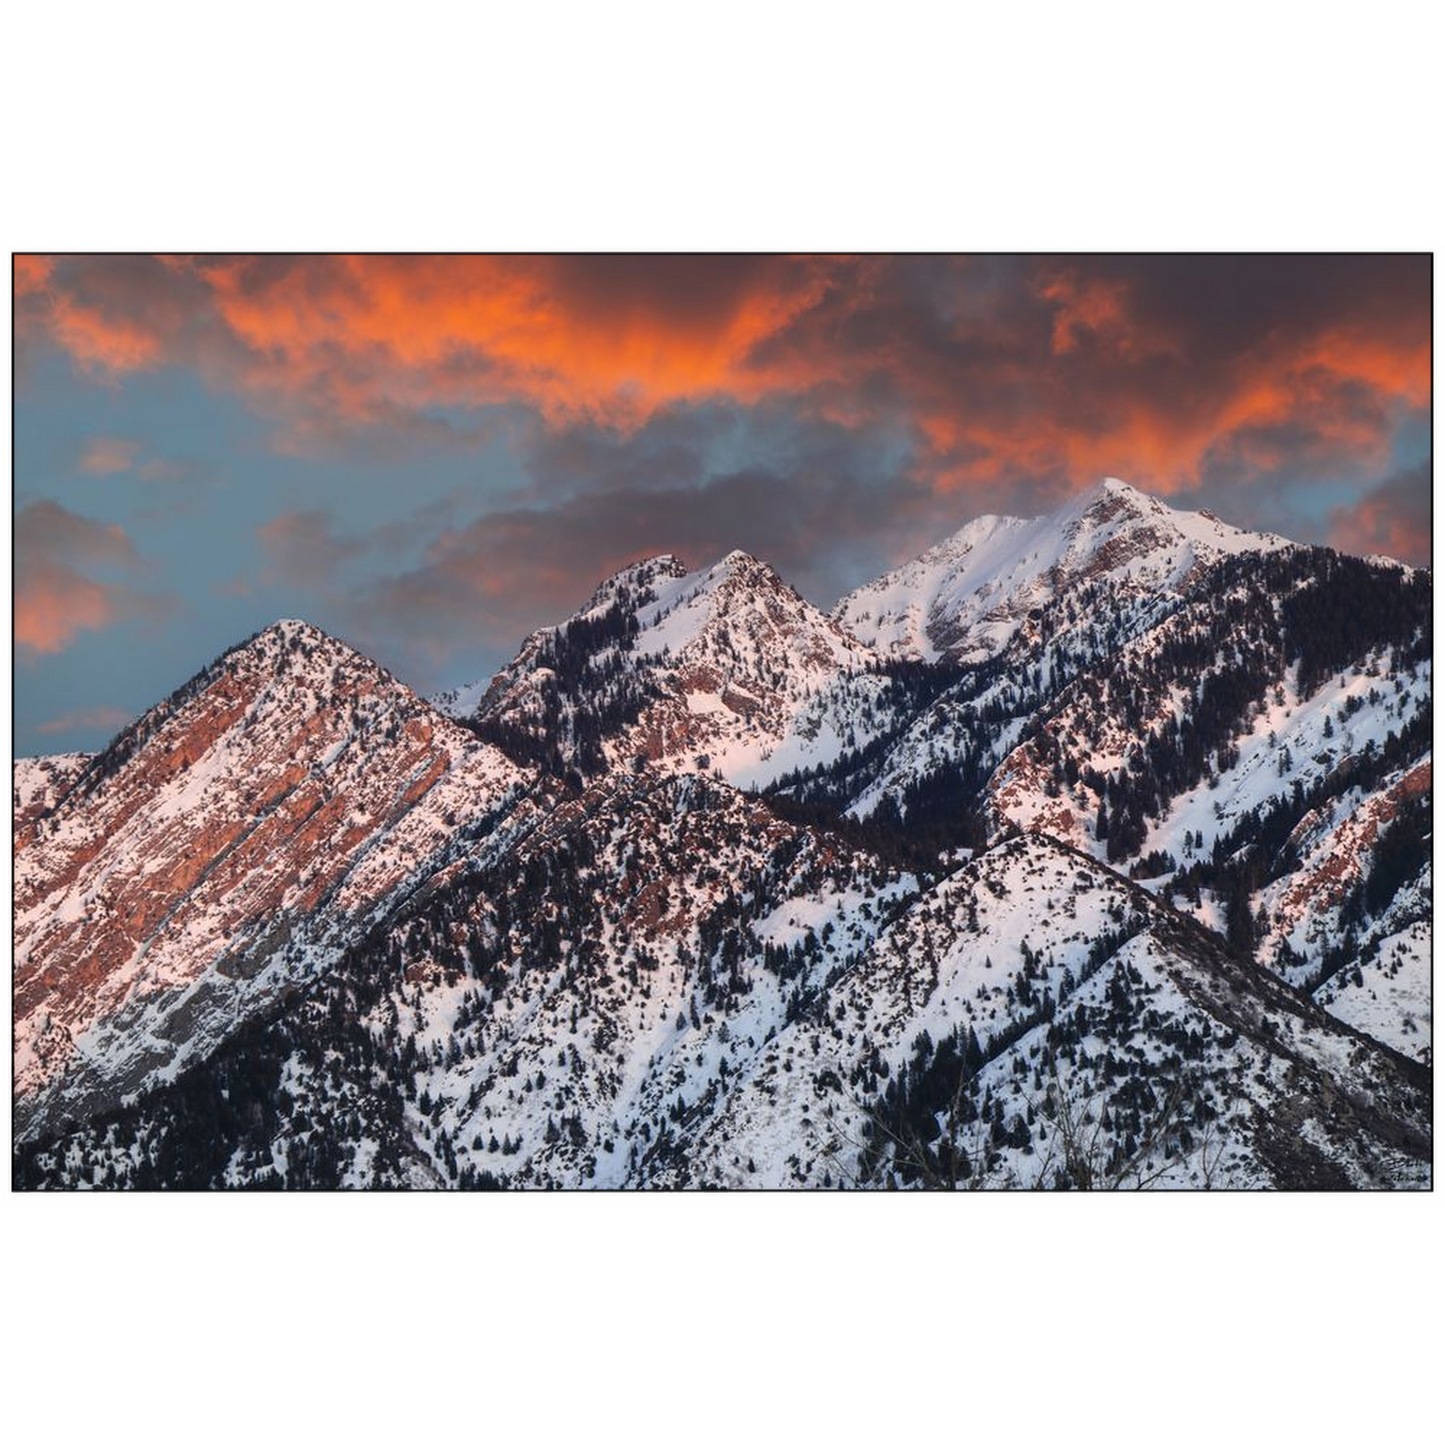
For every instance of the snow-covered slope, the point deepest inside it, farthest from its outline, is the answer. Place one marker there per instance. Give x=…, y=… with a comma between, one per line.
x=1034, y=1020
x=1386, y=994
x=1350, y=917
x=217, y=852
x=1031, y=1019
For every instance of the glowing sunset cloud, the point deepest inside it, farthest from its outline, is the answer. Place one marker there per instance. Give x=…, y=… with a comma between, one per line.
x=1063, y=371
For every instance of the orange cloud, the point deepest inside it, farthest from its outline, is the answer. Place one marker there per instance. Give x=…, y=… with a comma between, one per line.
x=1331, y=395
x=1154, y=368
x=370, y=332
x=54, y=603
x=1393, y=520
x=1096, y=308
x=30, y=273
x=103, y=343
x=54, y=600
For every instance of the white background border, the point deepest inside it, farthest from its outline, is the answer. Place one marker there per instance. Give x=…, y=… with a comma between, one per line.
x=1257, y=126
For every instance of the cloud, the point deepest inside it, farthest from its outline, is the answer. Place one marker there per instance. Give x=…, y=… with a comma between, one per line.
x=104, y=456
x=308, y=549
x=30, y=274
x=47, y=530
x=54, y=599
x=1007, y=367
x=107, y=719
x=108, y=456
x=304, y=547
x=1393, y=520
x=1150, y=369
x=53, y=603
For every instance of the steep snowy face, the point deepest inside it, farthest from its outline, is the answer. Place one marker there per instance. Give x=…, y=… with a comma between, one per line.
x=686, y=671
x=965, y=598
x=221, y=848
x=1350, y=919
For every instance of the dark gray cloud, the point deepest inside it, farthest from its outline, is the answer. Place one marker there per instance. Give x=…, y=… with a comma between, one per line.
x=820, y=518
x=306, y=547
x=1394, y=519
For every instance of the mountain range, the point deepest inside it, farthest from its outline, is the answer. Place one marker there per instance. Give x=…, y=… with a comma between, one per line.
x=1090, y=850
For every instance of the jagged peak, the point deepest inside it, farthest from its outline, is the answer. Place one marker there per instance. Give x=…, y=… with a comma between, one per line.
x=971, y=590
x=1107, y=499
x=1111, y=499
x=1117, y=487
x=738, y=558
x=288, y=635
x=735, y=584
x=268, y=653
x=667, y=564
x=289, y=630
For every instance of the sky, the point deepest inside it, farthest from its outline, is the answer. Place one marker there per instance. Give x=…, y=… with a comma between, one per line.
x=429, y=456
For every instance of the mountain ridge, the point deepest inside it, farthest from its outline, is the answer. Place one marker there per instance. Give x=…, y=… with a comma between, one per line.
x=592, y=928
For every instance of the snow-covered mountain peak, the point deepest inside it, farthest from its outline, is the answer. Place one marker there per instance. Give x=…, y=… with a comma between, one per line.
x=967, y=597
x=1110, y=489
x=290, y=632
x=667, y=666
x=734, y=586
x=742, y=613
x=292, y=648
x=739, y=562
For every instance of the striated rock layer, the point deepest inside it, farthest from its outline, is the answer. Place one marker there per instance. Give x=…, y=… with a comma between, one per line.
x=219, y=851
